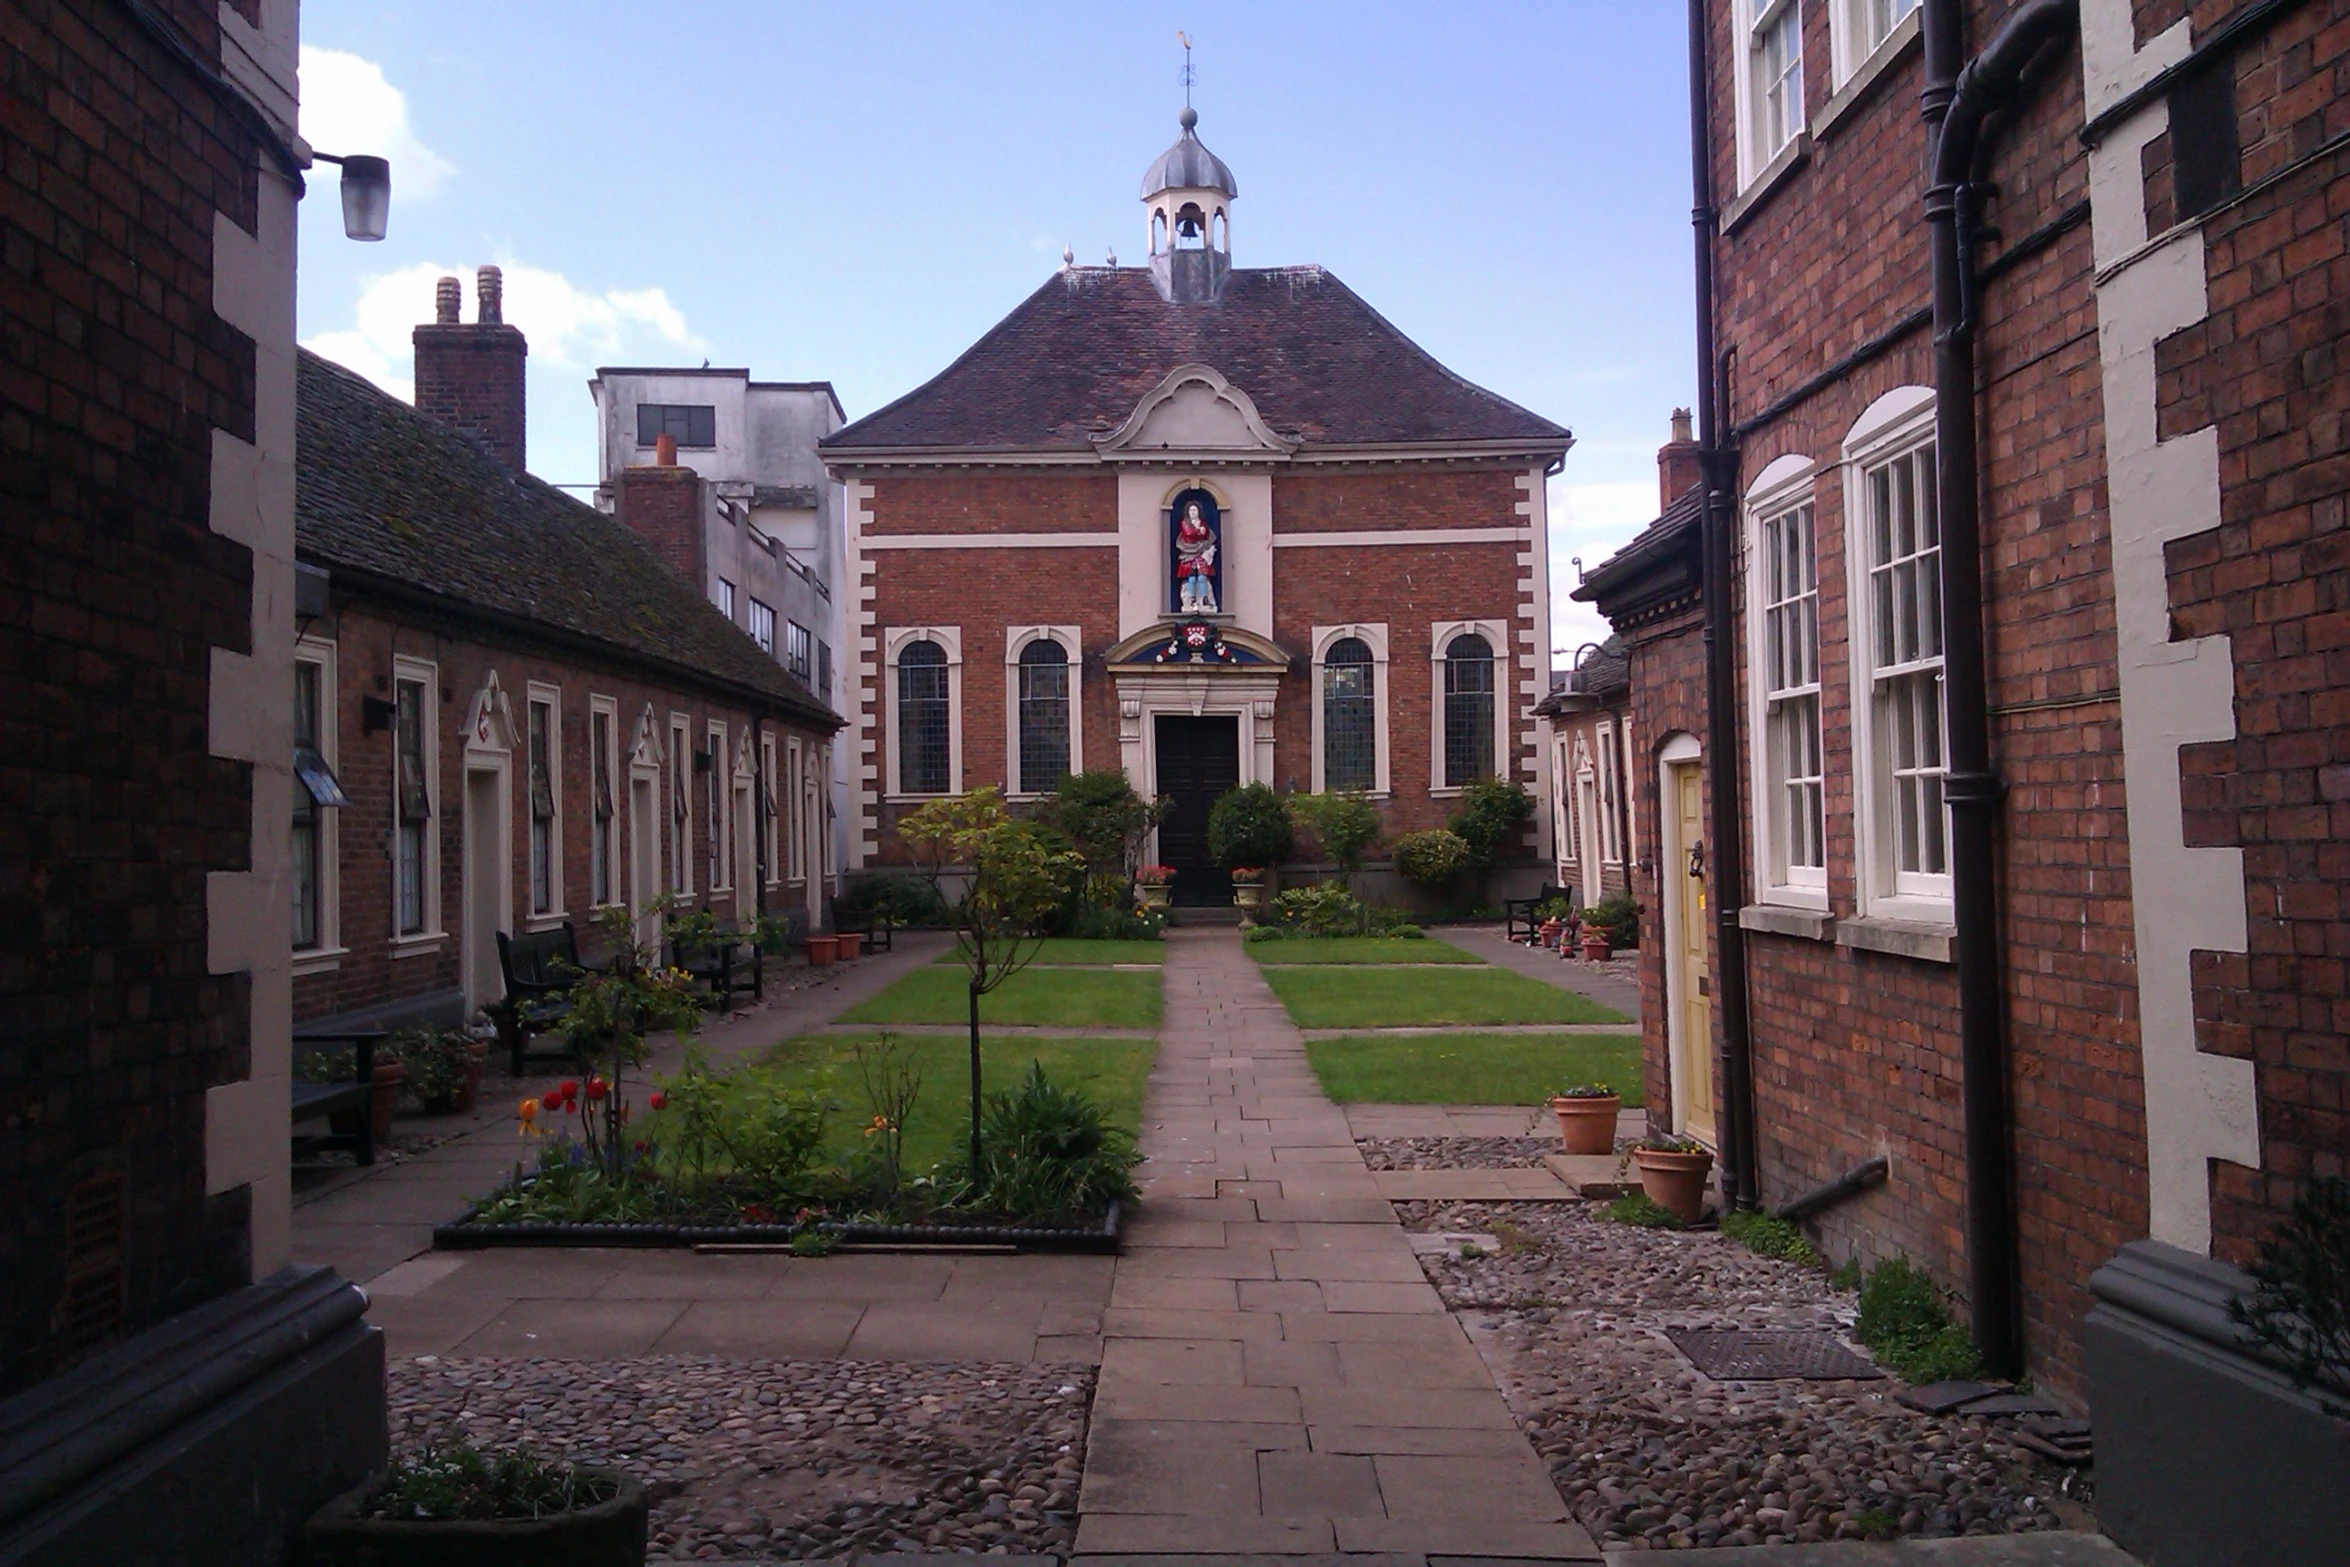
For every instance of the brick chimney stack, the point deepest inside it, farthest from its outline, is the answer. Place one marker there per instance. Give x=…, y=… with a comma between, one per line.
x=471, y=376
x=1676, y=462
x=662, y=501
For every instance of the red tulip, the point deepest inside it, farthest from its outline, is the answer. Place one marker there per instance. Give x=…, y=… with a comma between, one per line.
x=657, y=1099
x=597, y=1088
x=568, y=1088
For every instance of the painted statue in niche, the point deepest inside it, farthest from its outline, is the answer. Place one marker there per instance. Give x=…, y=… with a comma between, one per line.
x=1196, y=542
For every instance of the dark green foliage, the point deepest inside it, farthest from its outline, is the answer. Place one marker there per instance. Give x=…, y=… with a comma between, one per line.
x=812, y=1243
x=1493, y=811
x=1050, y=1152
x=1114, y=921
x=1847, y=1275
x=1104, y=819
x=451, y=1482
x=1345, y=824
x=1767, y=1235
x=1326, y=909
x=434, y=1060
x=1431, y=858
x=1904, y=1324
x=2299, y=1308
x=1249, y=827
x=1637, y=1210
x=900, y=897
x=1619, y=916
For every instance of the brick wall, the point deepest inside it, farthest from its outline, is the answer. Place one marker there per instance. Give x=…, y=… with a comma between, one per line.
x=114, y=372
x=664, y=505
x=1667, y=701
x=471, y=375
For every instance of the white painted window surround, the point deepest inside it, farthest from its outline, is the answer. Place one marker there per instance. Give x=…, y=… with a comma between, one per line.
x=719, y=864
x=681, y=804
x=607, y=794
x=551, y=697
x=326, y=952
x=1768, y=81
x=426, y=933
x=1892, y=554
x=1017, y=640
x=1783, y=718
x=1374, y=636
x=894, y=640
x=1440, y=639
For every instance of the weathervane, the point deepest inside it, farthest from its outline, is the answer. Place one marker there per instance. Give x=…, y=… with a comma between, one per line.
x=1189, y=75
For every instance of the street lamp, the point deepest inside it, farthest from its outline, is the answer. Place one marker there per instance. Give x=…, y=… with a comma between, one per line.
x=367, y=193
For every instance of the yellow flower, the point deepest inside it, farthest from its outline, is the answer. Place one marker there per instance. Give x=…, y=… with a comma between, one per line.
x=527, y=1113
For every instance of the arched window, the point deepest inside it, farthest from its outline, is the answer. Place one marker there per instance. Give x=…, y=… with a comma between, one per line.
x=1468, y=710
x=1158, y=233
x=922, y=718
x=1044, y=715
x=1350, y=735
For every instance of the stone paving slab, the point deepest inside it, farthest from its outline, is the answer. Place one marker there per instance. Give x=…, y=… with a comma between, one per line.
x=1525, y=1185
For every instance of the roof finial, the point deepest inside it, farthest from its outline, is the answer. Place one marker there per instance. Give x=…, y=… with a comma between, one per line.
x=1068, y=256
x=1189, y=76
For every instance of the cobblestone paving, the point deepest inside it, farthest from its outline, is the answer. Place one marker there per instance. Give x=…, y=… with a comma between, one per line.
x=1649, y=1453
x=1456, y=1153
x=786, y=1459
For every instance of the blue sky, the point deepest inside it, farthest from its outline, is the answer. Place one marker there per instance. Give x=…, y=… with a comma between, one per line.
x=854, y=194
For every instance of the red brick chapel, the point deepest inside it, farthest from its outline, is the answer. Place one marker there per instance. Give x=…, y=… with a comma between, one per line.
x=1204, y=523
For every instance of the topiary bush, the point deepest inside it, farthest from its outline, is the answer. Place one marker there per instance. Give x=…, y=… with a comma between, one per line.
x=1249, y=827
x=1431, y=858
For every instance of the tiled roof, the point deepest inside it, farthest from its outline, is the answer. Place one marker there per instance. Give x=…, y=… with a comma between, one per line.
x=1077, y=355
x=385, y=491
x=1677, y=523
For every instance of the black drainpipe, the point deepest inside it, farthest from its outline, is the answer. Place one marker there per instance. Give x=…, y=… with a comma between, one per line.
x=1726, y=874
x=1956, y=104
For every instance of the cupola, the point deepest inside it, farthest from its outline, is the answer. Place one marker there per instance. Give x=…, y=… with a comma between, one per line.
x=1188, y=195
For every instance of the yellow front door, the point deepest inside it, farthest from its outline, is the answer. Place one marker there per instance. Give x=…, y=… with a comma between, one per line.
x=1693, y=1039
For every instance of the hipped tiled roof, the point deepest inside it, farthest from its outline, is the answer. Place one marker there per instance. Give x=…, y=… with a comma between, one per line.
x=388, y=492
x=1072, y=361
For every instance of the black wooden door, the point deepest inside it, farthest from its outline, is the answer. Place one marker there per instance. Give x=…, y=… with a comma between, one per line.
x=1199, y=760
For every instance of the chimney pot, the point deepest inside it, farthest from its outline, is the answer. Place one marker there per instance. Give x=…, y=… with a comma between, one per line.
x=1676, y=462
x=665, y=451
x=471, y=374
x=1681, y=430
x=490, y=285
x=446, y=297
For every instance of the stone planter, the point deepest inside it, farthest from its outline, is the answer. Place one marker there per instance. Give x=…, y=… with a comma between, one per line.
x=822, y=951
x=852, y=944
x=1587, y=1125
x=1248, y=896
x=389, y=1075
x=609, y=1534
x=1153, y=894
x=1675, y=1182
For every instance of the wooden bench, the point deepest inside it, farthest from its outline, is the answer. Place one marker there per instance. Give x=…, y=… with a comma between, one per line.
x=875, y=926
x=728, y=963
x=354, y=1095
x=1528, y=911
x=539, y=967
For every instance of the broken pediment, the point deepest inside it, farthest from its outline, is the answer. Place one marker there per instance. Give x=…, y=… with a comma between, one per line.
x=1195, y=413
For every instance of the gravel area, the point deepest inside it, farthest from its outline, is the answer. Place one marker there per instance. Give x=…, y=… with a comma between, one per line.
x=762, y=1460
x=1650, y=1453
x=1455, y=1153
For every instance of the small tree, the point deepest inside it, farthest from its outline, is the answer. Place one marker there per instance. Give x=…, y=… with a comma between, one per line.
x=1106, y=822
x=1017, y=881
x=613, y=1010
x=1344, y=823
x=1493, y=812
x=1247, y=826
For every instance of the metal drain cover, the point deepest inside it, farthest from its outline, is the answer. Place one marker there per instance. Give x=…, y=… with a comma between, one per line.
x=1744, y=1355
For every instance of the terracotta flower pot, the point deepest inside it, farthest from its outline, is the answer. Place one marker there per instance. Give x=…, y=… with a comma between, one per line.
x=1550, y=933
x=1596, y=949
x=1675, y=1181
x=822, y=950
x=469, y=1088
x=609, y=1534
x=389, y=1075
x=852, y=943
x=1587, y=1125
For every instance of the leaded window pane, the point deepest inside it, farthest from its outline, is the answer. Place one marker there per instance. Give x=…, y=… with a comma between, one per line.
x=922, y=718
x=1044, y=716
x=1350, y=717
x=1468, y=711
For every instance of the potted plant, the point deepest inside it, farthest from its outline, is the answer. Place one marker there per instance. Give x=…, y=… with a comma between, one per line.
x=1673, y=1173
x=1587, y=1117
x=1595, y=942
x=441, y=1068
x=1151, y=882
x=1248, y=889
x=455, y=1507
x=389, y=1075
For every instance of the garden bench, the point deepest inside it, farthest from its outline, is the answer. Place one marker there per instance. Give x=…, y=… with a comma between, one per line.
x=539, y=967
x=1527, y=911
x=727, y=963
x=875, y=926
x=353, y=1096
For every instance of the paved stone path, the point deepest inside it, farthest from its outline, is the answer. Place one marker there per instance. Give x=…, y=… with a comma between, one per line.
x=1277, y=1375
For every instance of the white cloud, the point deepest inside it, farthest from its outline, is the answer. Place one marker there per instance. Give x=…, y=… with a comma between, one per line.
x=348, y=107
x=1591, y=521
x=569, y=327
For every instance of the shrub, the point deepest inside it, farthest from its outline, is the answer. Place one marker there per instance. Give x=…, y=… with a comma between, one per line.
x=1249, y=827
x=2300, y=1304
x=1118, y=921
x=1431, y=858
x=1619, y=916
x=1637, y=1210
x=1903, y=1322
x=453, y=1482
x=1050, y=1152
x=1344, y=824
x=1493, y=810
x=434, y=1061
x=1393, y=922
x=900, y=897
x=1323, y=910
x=1104, y=819
x=1767, y=1235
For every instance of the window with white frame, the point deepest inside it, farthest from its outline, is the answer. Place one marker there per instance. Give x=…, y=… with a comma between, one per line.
x=1469, y=689
x=827, y=853
x=1350, y=686
x=603, y=819
x=1862, y=26
x=415, y=760
x=1899, y=722
x=770, y=851
x=715, y=814
x=1770, y=81
x=546, y=864
x=317, y=796
x=1563, y=791
x=1043, y=715
x=1611, y=842
x=922, y=707
x=1784, y=589
x=796, y=836
x=796, y=658
x=726, y=598
x=763, y=626
x=681, y=809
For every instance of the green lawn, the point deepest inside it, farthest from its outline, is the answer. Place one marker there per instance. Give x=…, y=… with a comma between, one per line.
x=1111, y=1071
x=1071, y=951
x=1394, y=998
x=1472, y=1069
x=1358, y=949
x=1053, y=997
